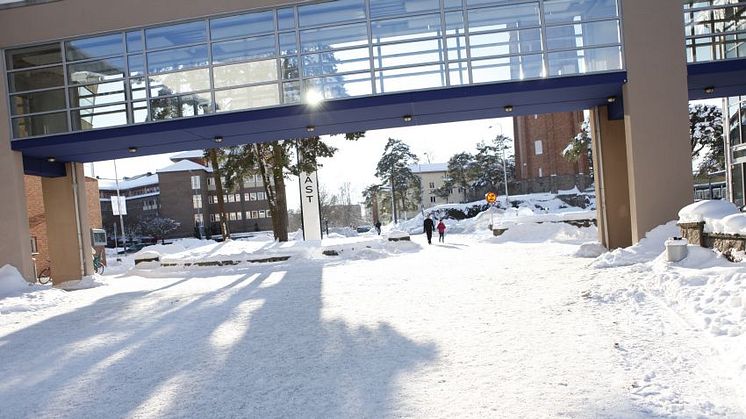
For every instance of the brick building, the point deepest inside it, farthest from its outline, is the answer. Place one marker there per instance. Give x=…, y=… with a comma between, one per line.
x=185, y=192
x=37, y=218
x=539, y=141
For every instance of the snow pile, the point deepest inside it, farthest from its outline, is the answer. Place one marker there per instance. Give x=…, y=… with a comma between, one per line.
x=397, y=234
x=86, y=282
x=372, y=249
x=712, y=212
x=590, y=250
x=11, y=281
x=646, y=250
x=177, y=246
x=550, y=232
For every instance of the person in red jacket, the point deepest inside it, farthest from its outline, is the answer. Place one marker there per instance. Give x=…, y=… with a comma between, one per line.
x=441, y=231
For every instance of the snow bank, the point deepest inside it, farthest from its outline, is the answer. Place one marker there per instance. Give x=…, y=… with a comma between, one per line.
x=646, y=250
x=590, y=250
x=11, y=281
x=711, y=212
x=539, y=233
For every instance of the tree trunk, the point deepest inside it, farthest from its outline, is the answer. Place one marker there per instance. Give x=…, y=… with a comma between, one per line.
x=280, y=210
x=219, y=190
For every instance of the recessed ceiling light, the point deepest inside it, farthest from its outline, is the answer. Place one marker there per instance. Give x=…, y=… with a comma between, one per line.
x=407, y=118
x=710, y=90
x=218, y=139
x=51, y=159
x=611, y=99
x=508, y=108
x=310, y=128
x=132, y=149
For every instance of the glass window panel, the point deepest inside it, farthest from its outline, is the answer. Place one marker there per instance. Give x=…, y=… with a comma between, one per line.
x=583, y=35
x=412, y=78
x=458, y=73
x=140, y=112
x=49, y=100
x=180, y=106
x=289, y=68
x=243, y=49
x=411, y=53
x=566, y=11
x=134, y=41
x=505, y=43
x=380, y=8
x=456, y=48
x=41, y=78
x=176, y=35
x=330, y=12
x=247, y=98
x=97, y=94
x=336, y=62
x=180, y=82
x=449, y=4
x=96, y=71
x=288, y=43
x=406, y=28
x=584, y=61
x=242, y=25
x=101, y=46
x=138, y=89
x=504, y=17
x=177, y=59
x=245, y=73
x=471, y=3
x=454, y=22
x=136, y=65
x=340, y=86
x=99, y=117
x=334, y=37
x=51, y=123
x=37, y=55
x=291, y=92
x=506, y=69
x=285, y=18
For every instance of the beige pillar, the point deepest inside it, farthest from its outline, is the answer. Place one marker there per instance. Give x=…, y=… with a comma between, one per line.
x=610, y=173
x=68, y=230
x=656, y=113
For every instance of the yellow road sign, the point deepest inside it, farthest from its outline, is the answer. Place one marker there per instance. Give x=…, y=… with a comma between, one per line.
x=491, y=197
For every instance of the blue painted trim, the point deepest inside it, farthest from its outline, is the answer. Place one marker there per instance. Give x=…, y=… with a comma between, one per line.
x=41, y=167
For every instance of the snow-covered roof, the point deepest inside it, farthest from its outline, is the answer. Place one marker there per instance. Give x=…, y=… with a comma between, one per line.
x=192, y=154
x=183, y=166
x=130, y=183
x=428, y=167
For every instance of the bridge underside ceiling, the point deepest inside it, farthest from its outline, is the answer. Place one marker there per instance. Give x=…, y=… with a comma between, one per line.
x=726, y=78
x=331, y=117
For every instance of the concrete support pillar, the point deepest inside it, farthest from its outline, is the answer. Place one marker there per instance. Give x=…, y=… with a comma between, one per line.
x=610, y=173
x=68, y=230
x=655, y=113
x=15, y=247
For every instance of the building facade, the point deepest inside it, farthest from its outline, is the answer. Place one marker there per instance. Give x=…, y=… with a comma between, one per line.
x=734, y=110
x=185, y=192
x=539, y=164
x=432, y=177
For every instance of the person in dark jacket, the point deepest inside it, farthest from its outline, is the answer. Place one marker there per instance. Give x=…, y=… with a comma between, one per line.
x=378, y=227
x=429, y=226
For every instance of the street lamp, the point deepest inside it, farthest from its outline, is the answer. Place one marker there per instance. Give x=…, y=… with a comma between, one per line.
x=505, y=166
x=119, y=209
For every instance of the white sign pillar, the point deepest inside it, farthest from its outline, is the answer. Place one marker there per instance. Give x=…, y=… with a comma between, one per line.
x=309, y=205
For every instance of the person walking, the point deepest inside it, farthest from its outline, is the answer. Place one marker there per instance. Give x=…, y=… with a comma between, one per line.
x=428, y=226
x=441, y=232
x=378, y=227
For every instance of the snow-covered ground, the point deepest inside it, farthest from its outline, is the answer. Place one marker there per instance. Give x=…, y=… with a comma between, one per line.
x=513, y=326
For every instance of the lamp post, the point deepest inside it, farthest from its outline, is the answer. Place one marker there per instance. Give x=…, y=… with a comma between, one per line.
x=119, y=208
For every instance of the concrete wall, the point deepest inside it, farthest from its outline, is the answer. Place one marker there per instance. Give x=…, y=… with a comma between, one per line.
x=656, y=113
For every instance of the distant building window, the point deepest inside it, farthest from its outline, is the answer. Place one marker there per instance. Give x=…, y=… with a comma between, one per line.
x=261, y=196
x=231, y=198
x=541, y=173
x=262, y=214
x=254, y=214
x=195, y=182
x=432, y=185
x=34, y=246
x=238, y=197
x=198, y=219
x=252, y=196
x=215, y=218
x=248, y=215
x=538, y=147
x=197, y=201
x=432, y=199
x=232, y=216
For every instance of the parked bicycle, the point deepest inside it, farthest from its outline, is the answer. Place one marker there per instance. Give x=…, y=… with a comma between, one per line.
x=98, y=264
x=44, y=277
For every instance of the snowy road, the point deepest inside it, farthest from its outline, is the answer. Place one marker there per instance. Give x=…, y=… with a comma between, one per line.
x=465, y=329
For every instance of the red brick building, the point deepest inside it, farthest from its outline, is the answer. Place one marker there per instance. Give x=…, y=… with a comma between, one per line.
x=539, y=141
x=38, y=221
